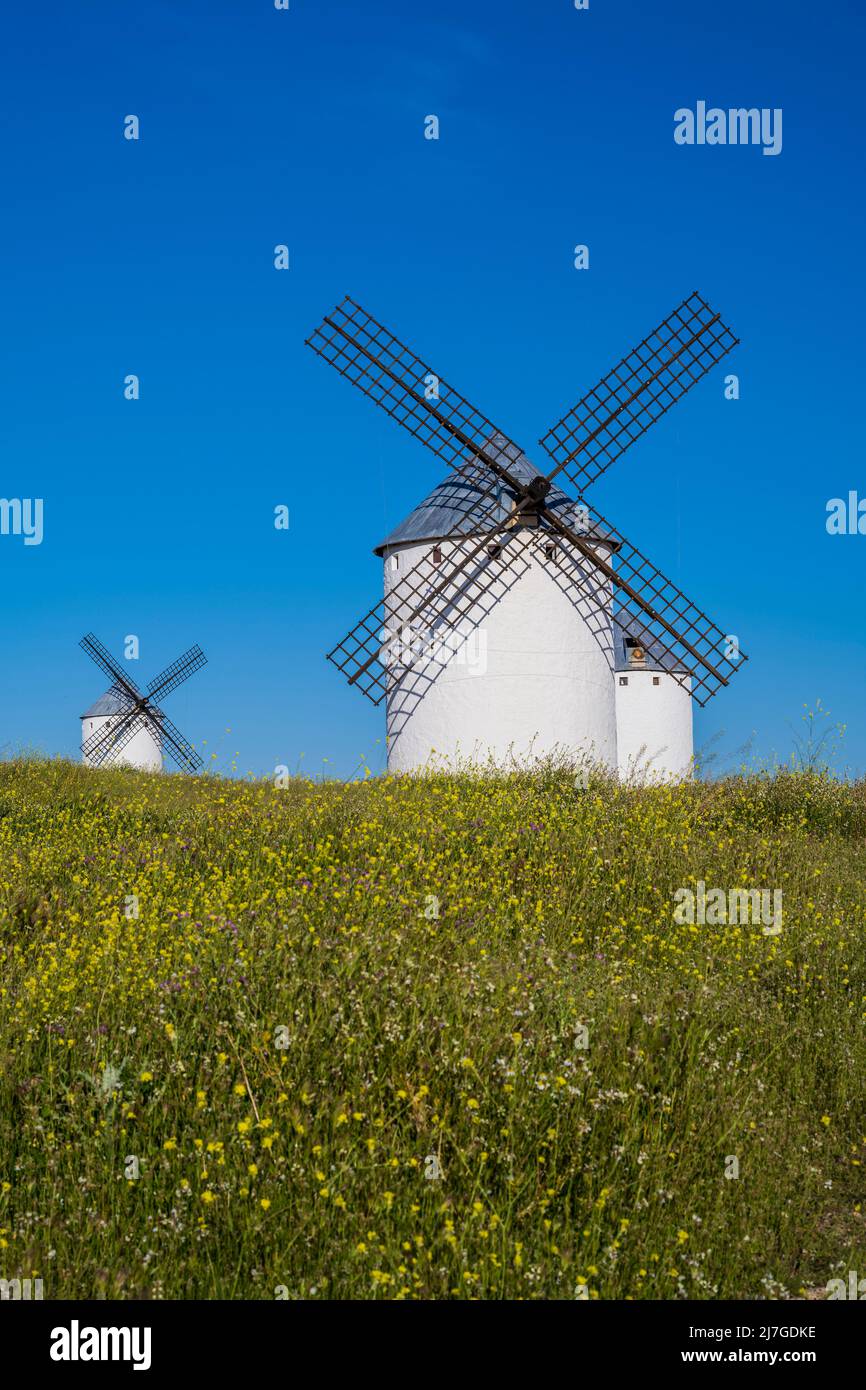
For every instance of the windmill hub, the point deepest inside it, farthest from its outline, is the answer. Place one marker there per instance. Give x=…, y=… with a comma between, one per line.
x=527, y=508
x=538, y=488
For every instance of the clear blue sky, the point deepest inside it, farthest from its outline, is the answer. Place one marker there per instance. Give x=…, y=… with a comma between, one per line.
x=305, y=127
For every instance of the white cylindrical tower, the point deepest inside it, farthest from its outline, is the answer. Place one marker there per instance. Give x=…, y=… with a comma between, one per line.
x=142, y=751
x=653, y=714
x=528, y=671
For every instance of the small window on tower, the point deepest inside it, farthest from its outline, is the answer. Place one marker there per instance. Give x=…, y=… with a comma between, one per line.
x=437, y=555
x=395, y=562
x=656, y=680
x=623, y=680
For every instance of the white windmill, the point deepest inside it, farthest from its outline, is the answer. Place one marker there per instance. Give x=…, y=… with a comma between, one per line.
x=143, y=749
x=125, y=726
x=516, y=622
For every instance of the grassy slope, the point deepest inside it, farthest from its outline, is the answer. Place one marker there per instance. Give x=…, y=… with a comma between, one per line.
x=287, y=1036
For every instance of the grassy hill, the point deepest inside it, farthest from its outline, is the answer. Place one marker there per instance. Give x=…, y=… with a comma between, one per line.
x=428, y=1038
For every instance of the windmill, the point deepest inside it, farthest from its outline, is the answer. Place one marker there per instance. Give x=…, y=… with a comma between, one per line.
x=566, y=601
x=128, y=726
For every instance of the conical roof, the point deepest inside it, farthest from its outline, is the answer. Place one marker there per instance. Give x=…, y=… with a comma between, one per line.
x=110, y=703
x=462, y=506
x=115, y=701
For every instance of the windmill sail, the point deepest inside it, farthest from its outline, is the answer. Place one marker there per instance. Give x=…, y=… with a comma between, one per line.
x=638, y=391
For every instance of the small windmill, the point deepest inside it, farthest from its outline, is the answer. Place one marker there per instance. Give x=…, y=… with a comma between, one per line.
x=127, y=726
x=496, y=528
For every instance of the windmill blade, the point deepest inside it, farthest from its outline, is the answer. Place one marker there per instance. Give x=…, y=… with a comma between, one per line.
x=358, y=655
x=172, y=741
x=178, y=672
x=638, y=391
x=652, y=606
x=365, y=352
x=422, y=615
x=103, y=658
x=656, y=605
x=110, y=740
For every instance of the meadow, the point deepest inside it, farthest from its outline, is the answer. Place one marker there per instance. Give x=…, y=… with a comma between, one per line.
x=428, y=1038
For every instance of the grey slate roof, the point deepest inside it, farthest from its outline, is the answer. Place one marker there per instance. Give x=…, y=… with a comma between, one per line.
x=111, y=703
x=459, y=506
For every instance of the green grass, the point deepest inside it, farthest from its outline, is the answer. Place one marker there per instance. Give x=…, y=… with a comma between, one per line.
x=330, y=992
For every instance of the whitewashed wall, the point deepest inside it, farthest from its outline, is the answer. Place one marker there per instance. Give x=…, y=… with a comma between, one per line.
x=653, y=726
x=534, y=678
x=142, y=751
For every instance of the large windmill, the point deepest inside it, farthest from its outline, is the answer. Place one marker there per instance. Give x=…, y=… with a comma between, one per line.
x=128, y=726
x=574, y=616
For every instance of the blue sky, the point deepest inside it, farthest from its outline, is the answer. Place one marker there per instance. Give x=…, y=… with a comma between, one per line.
x=306, y=127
